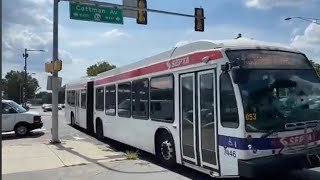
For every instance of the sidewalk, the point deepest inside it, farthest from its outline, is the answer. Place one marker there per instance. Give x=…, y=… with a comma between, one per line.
x=25, y=157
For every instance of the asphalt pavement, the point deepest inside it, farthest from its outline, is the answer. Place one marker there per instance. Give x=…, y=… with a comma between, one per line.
x=145, y=167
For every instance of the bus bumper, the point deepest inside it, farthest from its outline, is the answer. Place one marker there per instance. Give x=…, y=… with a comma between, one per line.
x=274, y=165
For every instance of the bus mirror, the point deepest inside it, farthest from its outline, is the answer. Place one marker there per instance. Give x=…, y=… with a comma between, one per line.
x=225, y=67
x=239, y=75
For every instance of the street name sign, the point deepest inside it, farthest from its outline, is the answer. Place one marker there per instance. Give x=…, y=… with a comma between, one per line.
x=87, y=12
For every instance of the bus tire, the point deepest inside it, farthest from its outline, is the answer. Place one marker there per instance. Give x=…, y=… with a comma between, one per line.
x=72, y=119
x=99, y=130
x=165, y=149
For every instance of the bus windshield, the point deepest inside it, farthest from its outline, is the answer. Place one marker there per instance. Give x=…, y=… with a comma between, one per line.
x=278, y=92
x=272, y=98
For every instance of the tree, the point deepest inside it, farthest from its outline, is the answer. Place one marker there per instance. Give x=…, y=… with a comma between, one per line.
x=14, y=83
x=316, y=66
x=46, y=97
x=99, y=67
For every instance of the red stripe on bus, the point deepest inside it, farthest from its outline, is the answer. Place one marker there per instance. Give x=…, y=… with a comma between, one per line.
x=171, y=64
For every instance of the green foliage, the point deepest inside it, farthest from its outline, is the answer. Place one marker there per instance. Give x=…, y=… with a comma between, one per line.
x=98, y=68
x=46, y=97
x=132, y=155
x=316, y=66
x=13, y=85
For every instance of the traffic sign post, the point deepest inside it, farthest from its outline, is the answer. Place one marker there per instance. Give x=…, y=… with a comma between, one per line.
x=91, y=10
x=55, y=89
x=87, y=12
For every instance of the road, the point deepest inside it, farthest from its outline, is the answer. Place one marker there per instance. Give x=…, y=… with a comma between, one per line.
x=66, y=132
x=147, y=166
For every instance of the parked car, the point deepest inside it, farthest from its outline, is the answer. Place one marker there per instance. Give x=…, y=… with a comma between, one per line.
x=43, y=105
x=47, y=107
x=16, y=118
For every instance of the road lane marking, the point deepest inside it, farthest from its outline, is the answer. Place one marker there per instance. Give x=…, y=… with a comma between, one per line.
x=36, y=130
x=78, y=138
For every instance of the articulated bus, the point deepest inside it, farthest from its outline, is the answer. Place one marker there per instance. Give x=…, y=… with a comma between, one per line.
x=79, y=103
x=232, y=108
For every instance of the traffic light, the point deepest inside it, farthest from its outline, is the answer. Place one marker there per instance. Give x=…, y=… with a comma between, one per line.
x=199, y=19
x=49, y=67
x=142, y=15
x=57, y=65
x=53, y=66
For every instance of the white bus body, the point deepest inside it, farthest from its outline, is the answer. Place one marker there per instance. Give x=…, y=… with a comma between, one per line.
x=195, y=113
x=79, y=103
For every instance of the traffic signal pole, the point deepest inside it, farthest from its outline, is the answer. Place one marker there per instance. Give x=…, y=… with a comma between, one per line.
x=55, y=80
x=55, y=88
x=129, y=8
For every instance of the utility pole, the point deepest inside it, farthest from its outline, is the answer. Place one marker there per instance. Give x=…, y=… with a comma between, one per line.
x=25, y=55
x=1, y=85
x=55, y=125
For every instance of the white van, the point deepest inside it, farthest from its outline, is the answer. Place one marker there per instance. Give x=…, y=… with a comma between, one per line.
x=16, y=118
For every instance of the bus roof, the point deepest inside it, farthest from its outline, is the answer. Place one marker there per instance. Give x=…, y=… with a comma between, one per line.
x=201, y=45
x=79, y=82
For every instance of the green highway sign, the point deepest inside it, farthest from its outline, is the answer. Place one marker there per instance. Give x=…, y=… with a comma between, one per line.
x=86, y=12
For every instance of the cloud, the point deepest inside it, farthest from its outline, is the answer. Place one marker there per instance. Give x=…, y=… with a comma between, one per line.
x=27, y=24
x=265, y=4
x=76, y=69
x=65, y=56
x=114, y=33
x=81, y=44
x=309, y=41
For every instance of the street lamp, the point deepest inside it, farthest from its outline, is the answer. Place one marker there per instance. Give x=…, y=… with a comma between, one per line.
x=312, y=20
x=26, y=55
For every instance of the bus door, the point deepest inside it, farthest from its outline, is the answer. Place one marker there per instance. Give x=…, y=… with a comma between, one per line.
x=77, y=108
x=198, y=119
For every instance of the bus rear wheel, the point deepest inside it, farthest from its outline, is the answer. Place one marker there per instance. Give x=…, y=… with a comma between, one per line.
x=165, y=150
x=99, y=130
x=72, y=119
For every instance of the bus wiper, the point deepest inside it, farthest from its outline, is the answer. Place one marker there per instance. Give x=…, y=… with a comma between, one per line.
x=268, y=133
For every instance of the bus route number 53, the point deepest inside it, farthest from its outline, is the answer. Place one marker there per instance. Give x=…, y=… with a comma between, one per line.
x=231, y=153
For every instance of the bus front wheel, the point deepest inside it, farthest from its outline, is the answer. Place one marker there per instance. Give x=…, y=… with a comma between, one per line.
x=165, y=150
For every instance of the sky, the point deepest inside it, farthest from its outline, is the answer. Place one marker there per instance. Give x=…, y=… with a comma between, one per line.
x=28, y=24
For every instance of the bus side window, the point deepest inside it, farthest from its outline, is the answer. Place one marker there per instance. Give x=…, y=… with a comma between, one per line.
x=100, y=99
x=162, y=98
x=228, y=103
x=83, y=99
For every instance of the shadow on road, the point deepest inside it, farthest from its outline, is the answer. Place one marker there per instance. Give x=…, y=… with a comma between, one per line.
x=12, y=136
x=95, y=161
x=179, y=169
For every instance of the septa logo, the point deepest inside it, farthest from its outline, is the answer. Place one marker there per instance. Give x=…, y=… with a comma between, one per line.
x=178, y=62
x=298, y=140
